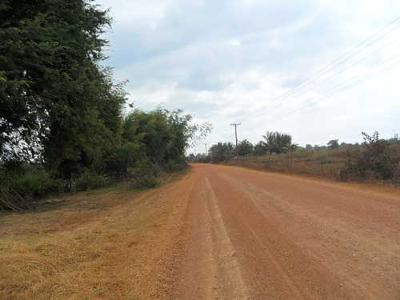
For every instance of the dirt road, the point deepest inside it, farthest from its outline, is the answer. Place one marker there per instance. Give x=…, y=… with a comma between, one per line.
x=228, y=233
x=268, y=236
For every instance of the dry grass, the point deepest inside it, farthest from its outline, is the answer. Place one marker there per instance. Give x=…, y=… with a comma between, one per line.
x=325, y=163
x=96, y=245
x=322, y=163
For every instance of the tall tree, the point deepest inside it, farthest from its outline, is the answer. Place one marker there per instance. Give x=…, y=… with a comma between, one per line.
x=221, y=151
x=277, y=142
x=244, y=148
x=260, y=148
x=163, y=136
x=333, y=144
x=54, y=97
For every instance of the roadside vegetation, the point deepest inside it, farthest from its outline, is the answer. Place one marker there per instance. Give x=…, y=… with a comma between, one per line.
x=62, y=126
x=375, y=159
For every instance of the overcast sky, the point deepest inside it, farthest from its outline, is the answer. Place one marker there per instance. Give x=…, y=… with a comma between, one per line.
x=315, y=69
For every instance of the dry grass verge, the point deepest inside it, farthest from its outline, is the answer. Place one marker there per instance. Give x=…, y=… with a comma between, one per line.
x=319, y=163
x=104, y=244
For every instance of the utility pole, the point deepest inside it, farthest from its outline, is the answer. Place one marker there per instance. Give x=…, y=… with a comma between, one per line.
x=205, y=145
x=236, y=138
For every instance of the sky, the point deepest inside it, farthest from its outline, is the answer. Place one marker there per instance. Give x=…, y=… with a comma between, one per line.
x=316, y=69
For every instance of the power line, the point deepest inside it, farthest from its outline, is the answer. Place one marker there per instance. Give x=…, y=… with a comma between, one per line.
x=345, y=85
x=300, y=93
x=349, y=66
x=378, y=35
x=357, y=79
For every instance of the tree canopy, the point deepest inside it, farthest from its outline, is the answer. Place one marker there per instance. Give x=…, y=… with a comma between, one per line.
x=244, y=148
x=277, y=142
x=221, y=151
x=56, y=103
x=61, y=120
x=333, y=144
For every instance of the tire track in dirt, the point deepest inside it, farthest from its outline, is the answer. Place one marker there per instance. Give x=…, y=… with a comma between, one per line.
x=334, y=239
x=232, y=282
x=209, y=268
x=275, y=267
x=288, y=213
x=217, y=233
x=293, y=240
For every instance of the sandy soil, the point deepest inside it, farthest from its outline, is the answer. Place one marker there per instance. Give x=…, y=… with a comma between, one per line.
x=218, y=233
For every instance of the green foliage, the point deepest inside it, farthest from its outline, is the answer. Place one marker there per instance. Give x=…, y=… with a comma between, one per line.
x=89, y=181
x=277, y=142
x=260, y=148
x=61, y=113
x=124, y=158
x=56, y=103
x=374, y=161
x=161, y=135
x=151, y=142
x=333, y=144
x=35, y=184
x=221, y=152
x=309, y=148
x=244, y=148
x=22, y=185
x=145, y=174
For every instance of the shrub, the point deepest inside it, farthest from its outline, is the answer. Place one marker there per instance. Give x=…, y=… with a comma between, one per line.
x=373, y=161
x=175, y=165
x=260, y=148
x=124, y=158
x=396, y=175
x=90, y=181
x=21, y=187
x=145, y=174
x=221, y=152
x=277, y=142
x=244, y=148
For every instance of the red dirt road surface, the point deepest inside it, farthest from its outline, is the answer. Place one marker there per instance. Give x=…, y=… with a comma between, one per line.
x=218, y=232
x=256, y=235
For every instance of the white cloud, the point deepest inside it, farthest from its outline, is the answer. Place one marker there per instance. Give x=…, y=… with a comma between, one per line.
x=242, y=60
x=136, y=14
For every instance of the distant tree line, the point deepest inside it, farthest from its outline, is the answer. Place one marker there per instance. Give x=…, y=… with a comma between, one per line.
x=272, y=143
x=375, y=158
x=61, y=121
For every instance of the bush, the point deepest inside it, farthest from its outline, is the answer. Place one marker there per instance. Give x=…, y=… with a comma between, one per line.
x=174, y=166
x=90, y=181
x=260, y=148
x=277, y=142
x=244, y=148
x=374, y=161
x=36, y=185
x=145, y=174
x=21, y=187
x=124, y=158
x=221, y=152
x=396, y=175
